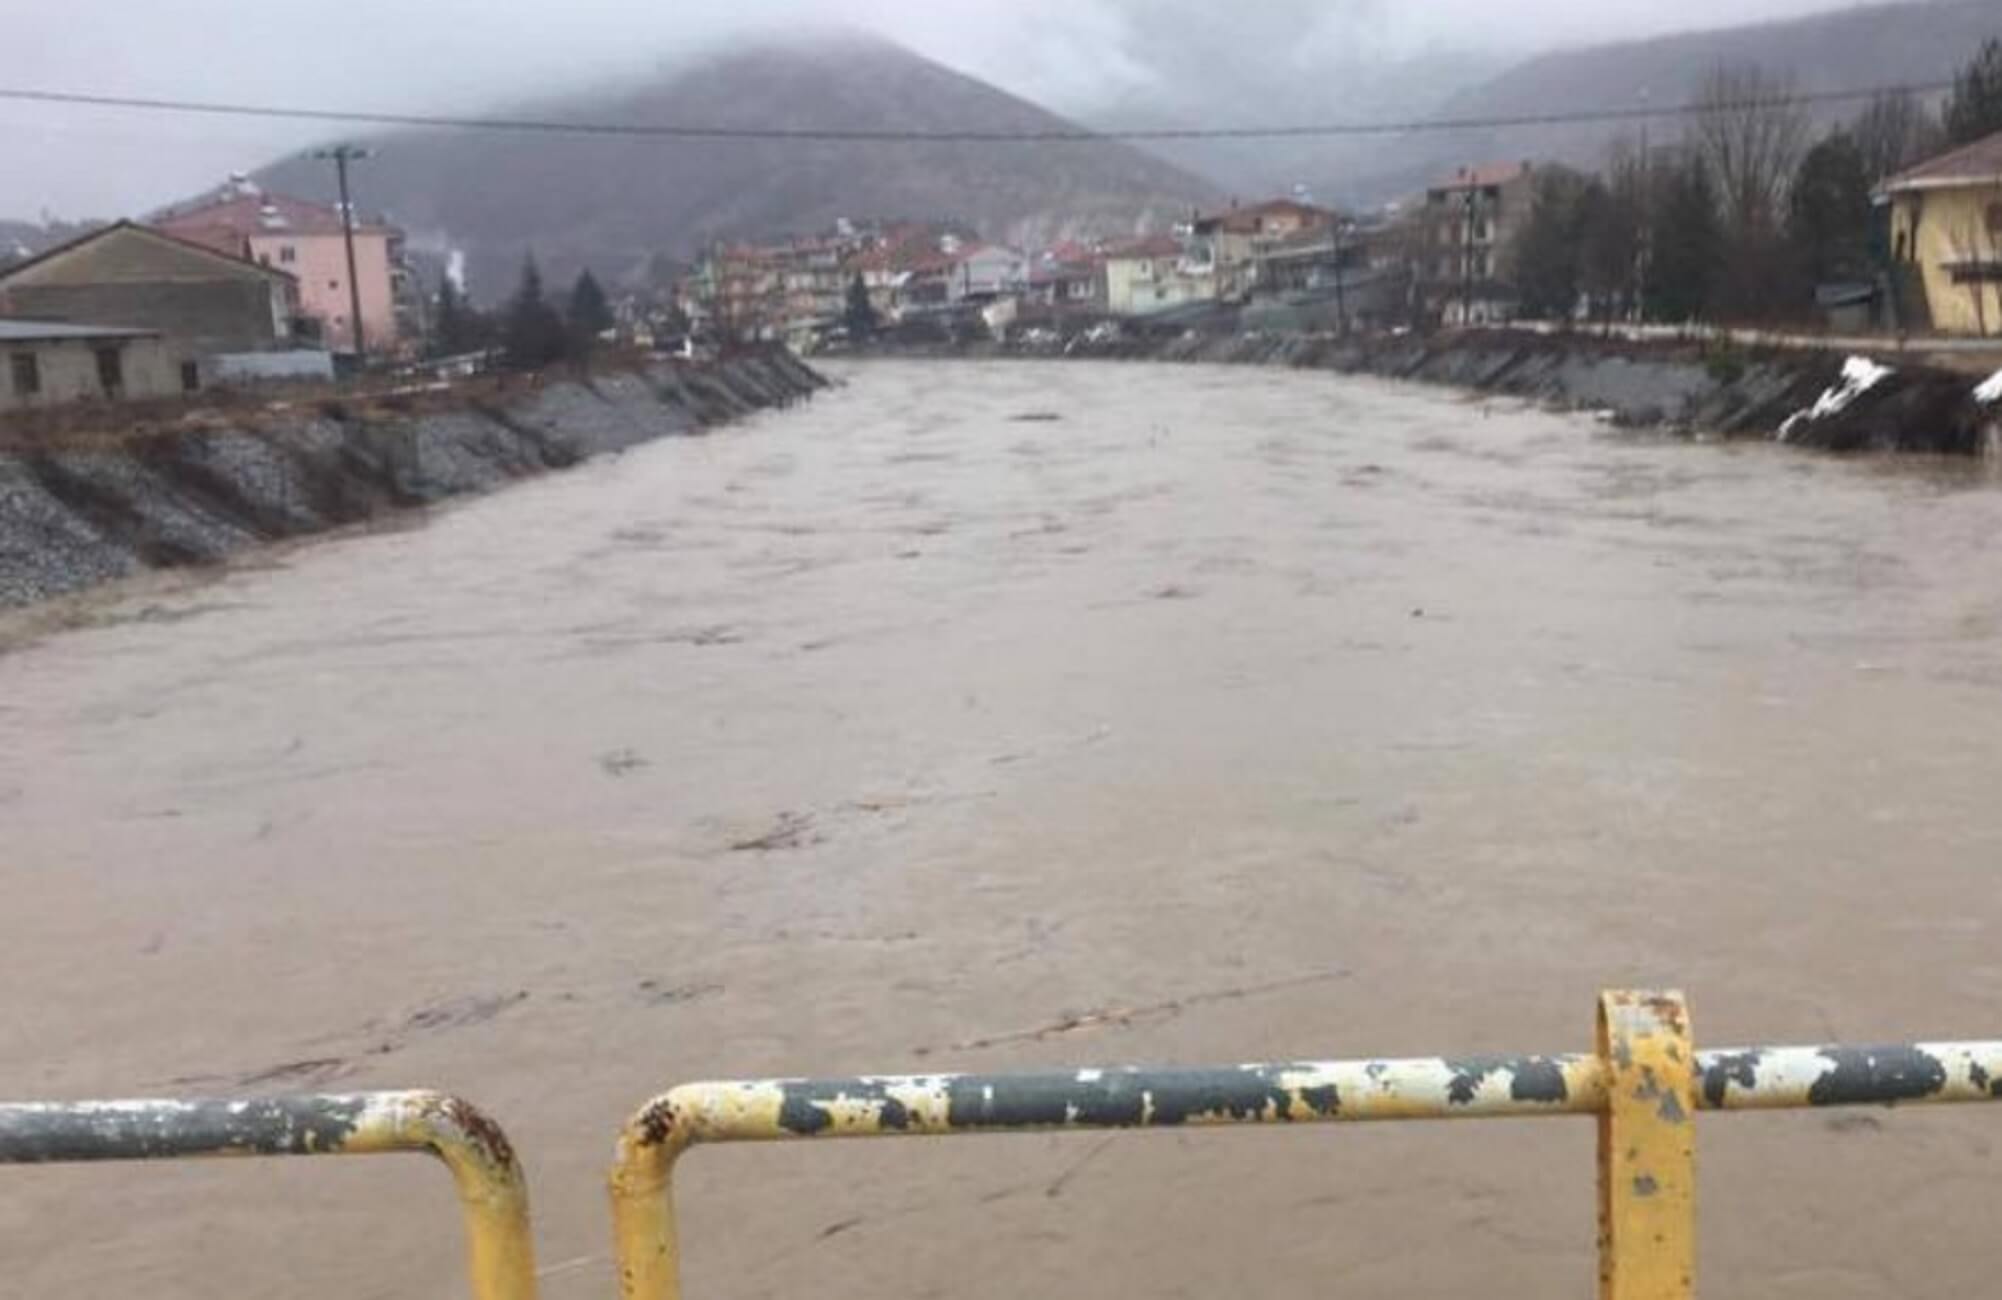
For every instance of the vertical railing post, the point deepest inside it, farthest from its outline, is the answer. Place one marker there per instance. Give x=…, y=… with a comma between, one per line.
x=646, y=1237
x=1647, y=1148
x=493, y=1193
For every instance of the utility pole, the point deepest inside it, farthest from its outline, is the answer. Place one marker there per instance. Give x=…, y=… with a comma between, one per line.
x=1467, y=258
x=1643, y=220
x=1341, y=305
x=342, y=155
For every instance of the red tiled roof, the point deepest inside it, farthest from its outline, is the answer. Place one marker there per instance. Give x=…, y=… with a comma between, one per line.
x=929, y=263
x=1059, y=272
x=919, y=252
x=1979, y=163
x=1150, y=246
x=232, y=255
x=1250, y=219
x=1484, y=176
x=1068, y=252
x=245, y=215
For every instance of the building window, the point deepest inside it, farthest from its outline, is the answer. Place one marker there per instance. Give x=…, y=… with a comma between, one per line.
x=191, y=377
x=111, y=371
x=264, y=259
x=27, y=371
x=287, y=254
x=333, y=284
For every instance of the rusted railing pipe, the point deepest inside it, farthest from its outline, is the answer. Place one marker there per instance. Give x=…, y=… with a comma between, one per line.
x=493, y=1194
x=1302, y=1093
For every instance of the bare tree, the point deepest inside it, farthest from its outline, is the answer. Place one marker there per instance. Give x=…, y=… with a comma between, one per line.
x=1895, y=131
x=1621, y=251
x=1750, y=130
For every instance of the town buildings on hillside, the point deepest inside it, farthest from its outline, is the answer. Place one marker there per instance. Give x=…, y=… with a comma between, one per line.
x=307, y=241
x=922, y=276
x=798, y=290
x=1235, y=242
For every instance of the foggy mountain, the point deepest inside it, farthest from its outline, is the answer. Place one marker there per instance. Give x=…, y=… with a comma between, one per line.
x=1340, y=87
x=613, y=203
x=1872, y=46
x=1180, y=64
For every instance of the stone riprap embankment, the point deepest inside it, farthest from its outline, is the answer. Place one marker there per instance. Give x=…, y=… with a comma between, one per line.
x=1811, y=399
x=75, y=512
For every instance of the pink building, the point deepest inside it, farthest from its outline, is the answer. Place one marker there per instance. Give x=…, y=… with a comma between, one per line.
x=305, y=240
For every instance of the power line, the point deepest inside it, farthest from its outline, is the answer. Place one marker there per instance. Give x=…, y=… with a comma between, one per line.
x=1075, y=135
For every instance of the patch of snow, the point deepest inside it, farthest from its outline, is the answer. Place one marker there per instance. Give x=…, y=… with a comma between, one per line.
x=1990, y=389
x=1859, y=376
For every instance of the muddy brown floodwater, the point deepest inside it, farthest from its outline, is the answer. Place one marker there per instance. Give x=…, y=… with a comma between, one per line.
x=1233, y=715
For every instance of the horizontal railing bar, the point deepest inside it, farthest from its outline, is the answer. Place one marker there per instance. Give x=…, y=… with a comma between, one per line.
x=493, y=1193
x=46, y=1133
x=1302, y=1092
x=1778, y=1078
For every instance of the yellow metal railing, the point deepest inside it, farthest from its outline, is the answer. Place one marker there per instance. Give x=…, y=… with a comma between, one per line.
x=1644, y=1083
x=493, y=1195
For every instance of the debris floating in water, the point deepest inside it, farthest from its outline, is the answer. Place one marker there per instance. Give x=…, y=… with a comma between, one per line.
x=1859, y=376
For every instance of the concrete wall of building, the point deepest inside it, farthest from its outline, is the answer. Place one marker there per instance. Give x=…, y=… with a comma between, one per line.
x=1466, y=253
x=134, y=279
x=321, y=264
x=1935, y=228
x=990, y=270
x=1140, y=286
x=67, y=371
x=206, y=317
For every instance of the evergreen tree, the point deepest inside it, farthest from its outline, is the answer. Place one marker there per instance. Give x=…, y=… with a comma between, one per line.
x=1688, y=246
x=1609, y=243
x=1828, y=216
x=860, y=315
x=590, y=314
x=533, y=335
x=1975, y=108
x=457, y=328
x=1546, y=253
x=673, y=320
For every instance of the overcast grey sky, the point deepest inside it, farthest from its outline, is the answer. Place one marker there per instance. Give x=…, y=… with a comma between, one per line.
x=467, y=55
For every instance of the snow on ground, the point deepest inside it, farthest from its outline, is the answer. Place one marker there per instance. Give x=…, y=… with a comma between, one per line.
x=1859, y=376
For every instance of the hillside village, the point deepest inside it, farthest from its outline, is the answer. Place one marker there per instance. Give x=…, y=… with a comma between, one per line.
x=1889, y=222
x=620, y=605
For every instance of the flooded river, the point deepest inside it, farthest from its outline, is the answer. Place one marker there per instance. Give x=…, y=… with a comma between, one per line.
x=1006, y=715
